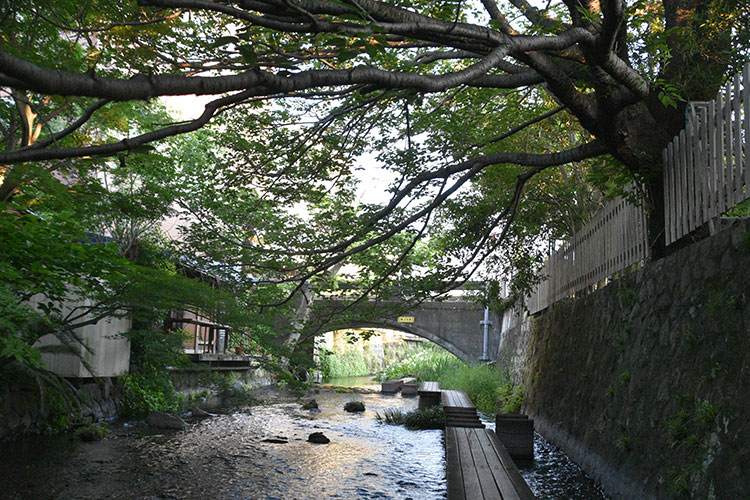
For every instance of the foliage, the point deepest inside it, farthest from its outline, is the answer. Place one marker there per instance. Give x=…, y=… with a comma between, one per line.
x=56, y=399
x=499, y=138
x=350, y=361
x=354, y=406
x=418, y=419
x=512, y=398
x=488, y=387
x=148, y=390
x=424, y=363
x=347, y=364
x=92, y=432
x=428, y=418
x=689, y=434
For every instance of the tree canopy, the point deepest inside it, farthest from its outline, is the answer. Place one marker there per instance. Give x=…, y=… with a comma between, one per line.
x=482, y=113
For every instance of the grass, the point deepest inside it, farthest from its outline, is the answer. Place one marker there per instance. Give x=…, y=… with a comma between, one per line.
x=354, y=362
x=420, y=419
x=489, y=388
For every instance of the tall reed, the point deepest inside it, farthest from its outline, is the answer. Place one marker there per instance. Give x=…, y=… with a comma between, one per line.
x=489, y=388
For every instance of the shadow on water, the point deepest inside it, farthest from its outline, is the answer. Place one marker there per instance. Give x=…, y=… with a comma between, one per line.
x=552, y=475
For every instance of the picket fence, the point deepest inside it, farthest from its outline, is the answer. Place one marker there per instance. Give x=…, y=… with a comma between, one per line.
x=707, y=166
x=611, y=242
x=706, y=173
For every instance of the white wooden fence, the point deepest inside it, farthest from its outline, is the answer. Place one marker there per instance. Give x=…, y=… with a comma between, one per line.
x=611, y=242
x=707, y=167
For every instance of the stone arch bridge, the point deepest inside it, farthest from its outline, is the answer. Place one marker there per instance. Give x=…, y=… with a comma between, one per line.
x=455, y=325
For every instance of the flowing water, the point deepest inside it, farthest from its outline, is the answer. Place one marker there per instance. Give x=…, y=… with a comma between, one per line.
x=260, y=453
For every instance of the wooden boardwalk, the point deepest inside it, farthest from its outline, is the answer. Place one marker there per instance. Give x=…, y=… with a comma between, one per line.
x=478, y=466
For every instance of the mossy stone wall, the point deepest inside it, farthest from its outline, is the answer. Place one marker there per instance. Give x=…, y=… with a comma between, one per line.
x=646, y=382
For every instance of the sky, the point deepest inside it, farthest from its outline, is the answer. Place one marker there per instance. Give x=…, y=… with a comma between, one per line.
x=374, y=180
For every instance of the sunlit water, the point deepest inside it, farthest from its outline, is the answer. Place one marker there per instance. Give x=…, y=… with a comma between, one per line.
x=227, y=457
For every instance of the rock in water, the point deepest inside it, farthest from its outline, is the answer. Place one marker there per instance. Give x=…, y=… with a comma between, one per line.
x=165, y=421
x=199, y=412
x=310, y=405
x=277, y=440
x=318, y=437
x=354, y=406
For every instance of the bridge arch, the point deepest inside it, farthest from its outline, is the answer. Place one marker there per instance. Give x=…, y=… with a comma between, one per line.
x=406, y=328
x=457, y=326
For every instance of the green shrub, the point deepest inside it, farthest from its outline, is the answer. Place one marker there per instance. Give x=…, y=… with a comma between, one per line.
x=354, y=406
x=391, y=416
x=146, y=391
x=424, y=363
x=488, y=387
x=511, y=397
x=353, y=362
x=419, y=419
x=93, y=432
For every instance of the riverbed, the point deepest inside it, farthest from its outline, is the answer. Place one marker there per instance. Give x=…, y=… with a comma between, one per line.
x=260, y=452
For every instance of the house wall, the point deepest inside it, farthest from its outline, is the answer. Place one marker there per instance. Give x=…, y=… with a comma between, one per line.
x=107, y=352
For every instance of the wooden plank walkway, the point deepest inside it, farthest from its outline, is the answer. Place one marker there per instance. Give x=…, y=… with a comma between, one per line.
x=459, y=410
x=479, y=467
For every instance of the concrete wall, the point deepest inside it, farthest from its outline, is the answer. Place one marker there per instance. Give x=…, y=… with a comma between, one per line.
x=645, y=383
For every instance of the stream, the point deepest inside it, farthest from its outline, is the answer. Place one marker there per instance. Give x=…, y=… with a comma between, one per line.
x=262, y=453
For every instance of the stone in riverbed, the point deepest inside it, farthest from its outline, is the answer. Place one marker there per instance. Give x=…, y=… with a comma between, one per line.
x=318, y=437
x=310, y=405
x=354, y=406
x=199, y=412
x=163, y=420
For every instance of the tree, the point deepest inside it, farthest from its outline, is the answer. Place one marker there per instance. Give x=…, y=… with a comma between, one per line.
x=622, y=72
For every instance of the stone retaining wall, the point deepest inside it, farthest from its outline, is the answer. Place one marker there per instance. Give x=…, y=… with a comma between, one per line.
x=644, y=383
x=22, y=411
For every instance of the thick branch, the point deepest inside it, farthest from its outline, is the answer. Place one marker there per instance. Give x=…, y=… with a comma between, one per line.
x=31, y=154
x=20, y=73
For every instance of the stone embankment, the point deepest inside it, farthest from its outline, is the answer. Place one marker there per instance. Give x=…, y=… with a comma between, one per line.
x=25, y=409
x=22, y=411
x=644, y=382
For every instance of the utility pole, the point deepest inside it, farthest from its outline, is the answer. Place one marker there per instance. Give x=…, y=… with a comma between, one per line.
x=486, y=324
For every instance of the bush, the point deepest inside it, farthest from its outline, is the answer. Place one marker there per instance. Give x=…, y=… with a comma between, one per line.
x=488, y=387
x=419, y=419
x=424, y=363
x=353, y=362
x=346, y=364
x=354, y=406
x=146, y=391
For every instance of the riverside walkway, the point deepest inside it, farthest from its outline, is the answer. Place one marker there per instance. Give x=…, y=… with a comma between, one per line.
x=477, y=464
